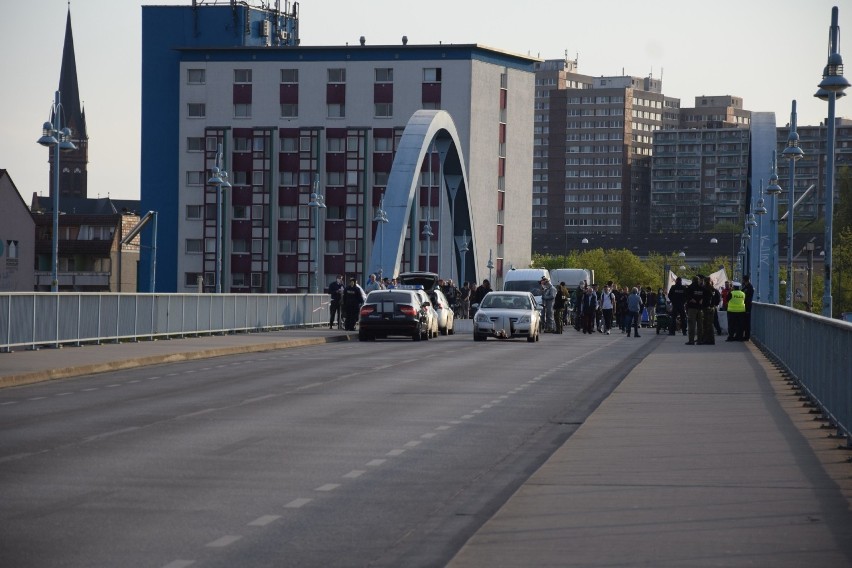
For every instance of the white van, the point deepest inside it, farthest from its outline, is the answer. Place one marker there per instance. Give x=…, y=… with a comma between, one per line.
x=571, y=276
x=525, y=280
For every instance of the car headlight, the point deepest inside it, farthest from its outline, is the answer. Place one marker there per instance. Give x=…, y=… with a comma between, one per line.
x=482, y=318
x=524, y=319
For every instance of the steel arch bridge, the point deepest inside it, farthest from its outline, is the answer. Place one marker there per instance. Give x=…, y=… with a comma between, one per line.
x=424, y=128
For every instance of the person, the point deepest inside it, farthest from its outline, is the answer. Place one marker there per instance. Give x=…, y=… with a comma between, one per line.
x=560, y=303
x=634, y=308
x=452, y=293
x=736, y=314
x=579, y=295
x=694, y=305
x=677, y=298
x=548, y=296
x=481, y=291
x=372, y=284
x=715, y=302
x=589, y=310
x=353, y=298
x=748, y=290
x=650, y=306
x=726, y=295
x=607, y=306
x=708, y=310
x=621, y=308
x=464, y=301
x=335, y=292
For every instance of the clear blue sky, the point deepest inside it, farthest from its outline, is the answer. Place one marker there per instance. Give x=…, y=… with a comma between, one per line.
x=767, y=51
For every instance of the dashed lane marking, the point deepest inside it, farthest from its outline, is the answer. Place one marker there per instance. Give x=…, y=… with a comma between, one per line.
x=179, y=564
x=297, y=503
x=395, y=453
x=355, y=473
x=412, y=444
x=224, y=541
x=375, y=463
x=264, y=520
x=328, y=487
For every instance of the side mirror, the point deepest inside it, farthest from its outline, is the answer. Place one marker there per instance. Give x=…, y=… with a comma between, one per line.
x=475, y=306
x=427, y=304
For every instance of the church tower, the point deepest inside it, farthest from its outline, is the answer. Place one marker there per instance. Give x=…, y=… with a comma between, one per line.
x=73, y=178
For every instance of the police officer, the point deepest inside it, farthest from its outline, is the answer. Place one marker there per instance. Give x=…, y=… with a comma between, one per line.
x=335, y=292
x=353, y=298
x=677, y=297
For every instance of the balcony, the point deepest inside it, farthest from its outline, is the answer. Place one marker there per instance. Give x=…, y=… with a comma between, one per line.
x=73, y=280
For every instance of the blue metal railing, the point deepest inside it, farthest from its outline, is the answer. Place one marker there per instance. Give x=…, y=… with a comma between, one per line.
x=29, y=320
x=816, y=351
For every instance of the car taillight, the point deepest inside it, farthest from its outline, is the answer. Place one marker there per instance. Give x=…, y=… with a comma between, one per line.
x=367, y=310
x=408, y=311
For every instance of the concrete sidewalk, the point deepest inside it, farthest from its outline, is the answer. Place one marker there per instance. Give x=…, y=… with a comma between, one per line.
x=703, y=456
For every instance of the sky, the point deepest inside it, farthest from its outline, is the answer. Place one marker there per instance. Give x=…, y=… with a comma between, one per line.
x=769, y=52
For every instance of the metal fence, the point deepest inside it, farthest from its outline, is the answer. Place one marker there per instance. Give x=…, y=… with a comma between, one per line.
x=817, y=351
x=30, y=320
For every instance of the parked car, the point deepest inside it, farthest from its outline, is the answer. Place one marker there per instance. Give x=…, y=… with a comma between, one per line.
x=428, y=281
x=505, y=315
x=394, y=313
x=431, y=313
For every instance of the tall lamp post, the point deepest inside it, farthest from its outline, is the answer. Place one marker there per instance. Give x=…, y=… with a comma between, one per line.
x=490, y=265
x=55, y=135
x=381, y=218
x=317, y=202
x=793, y=153
x=463, y=243
x=830, y=88
x=427, y=235
x=773, y=190
x=219, y=180
x=761, y=211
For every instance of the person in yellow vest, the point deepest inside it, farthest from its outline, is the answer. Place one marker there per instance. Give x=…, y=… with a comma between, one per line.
x=736, y=314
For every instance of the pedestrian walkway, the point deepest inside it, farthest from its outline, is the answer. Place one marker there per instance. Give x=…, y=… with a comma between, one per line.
x=703, y=456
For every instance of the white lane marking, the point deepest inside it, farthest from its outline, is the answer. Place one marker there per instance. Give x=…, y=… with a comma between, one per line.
x=264, y=520
x=412, y=444
x=8, y=403
x=65, y=394
x=172, y=374
x=198, y=413
x=487, y=406
x=258, y=398
x=206, y=368
x=190, y=372
x=310, y=386
x=444, y=427
x=455, y=421
x=478, y=411
x=467, y=416
x=37, y=398
x=90, y=390
x=132, y=382
x=395, y=453
x=113, y=386
x=224, y=541
x=153, y=378
x=375, y=463
x=328, y=487
x=503, y=397
x=495, y=401
x=355, y=473
x=297, y=503
x=220, y=366
x=179, y=564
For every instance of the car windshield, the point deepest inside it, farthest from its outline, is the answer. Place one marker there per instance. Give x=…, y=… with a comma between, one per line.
x=524, y=286
x=505, y=302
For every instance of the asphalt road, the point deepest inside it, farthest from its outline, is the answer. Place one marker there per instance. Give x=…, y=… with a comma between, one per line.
x=388, y=453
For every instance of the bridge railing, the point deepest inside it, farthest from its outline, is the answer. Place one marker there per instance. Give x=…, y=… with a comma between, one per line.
x=816, y=351
x=30, y=320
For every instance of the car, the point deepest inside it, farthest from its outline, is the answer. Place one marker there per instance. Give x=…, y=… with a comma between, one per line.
x=431, y=315
x=505, y=315
x=428, y=281
x=394, y=312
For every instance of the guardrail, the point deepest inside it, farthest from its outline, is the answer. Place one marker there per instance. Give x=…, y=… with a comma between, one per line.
x=30, y=320
x=816, y=351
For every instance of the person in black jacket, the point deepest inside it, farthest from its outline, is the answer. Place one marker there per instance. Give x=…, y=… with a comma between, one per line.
x=694, y=308
x=748, y=290
x=677, y=297
x=353, y=298
x=335, y=292
x=589, y=310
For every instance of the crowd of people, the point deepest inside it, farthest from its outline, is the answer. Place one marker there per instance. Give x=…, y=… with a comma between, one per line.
x=692, y=309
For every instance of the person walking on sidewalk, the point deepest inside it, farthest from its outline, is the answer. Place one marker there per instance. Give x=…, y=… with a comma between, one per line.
x=634, y=308
x=607, y=306
x=589, y=310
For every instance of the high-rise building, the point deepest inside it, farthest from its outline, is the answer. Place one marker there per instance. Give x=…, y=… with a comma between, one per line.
x=291, y=120
x=593, y=142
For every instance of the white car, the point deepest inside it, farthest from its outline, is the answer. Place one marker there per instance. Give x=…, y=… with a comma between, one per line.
x=431, y=315
x=505, y=315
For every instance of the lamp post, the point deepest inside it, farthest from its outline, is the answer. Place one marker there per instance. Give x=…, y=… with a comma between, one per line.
x=317, y=202
x=463, y=243
x=219, y=180
x=761, y=211
x=773, y=190
x=490, y=265
x=793, y=153
x=830, y=88
x=427, y=235
x=381, y=218
x=57, y=136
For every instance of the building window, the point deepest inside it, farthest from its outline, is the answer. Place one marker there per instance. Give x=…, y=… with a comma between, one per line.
x=194, y=246
x=432, y=75
x=242, y=110
x=286, y=247
x=238, y=280
x=289, y=76
x=242, y=75
x=257, y=177
x=335, y=145
x=384, y=110
x=289, y=110
x=194, y=211
x=196, y=76
x=334, y=247
x=337, y=75
x=195, y=144
x=241, y=212
x=384, y=75
x=195, y=178
x=256, y=279
x=196, y=110
x=336, y=111
x=288, y=212
x=286, y=280
x=239, y=246
x=190, y=279
x=242, y=145
x=239, y=177
x=287, y=179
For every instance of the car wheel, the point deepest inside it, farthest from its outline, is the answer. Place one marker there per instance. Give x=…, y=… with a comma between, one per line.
x=479, y=337
x=445, y=331
x=452, y=330
x=532, y=337
x=362, y=336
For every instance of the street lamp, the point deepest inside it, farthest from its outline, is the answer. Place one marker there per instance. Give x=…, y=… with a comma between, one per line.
x=381, y=218
x=489, y=266
x=427, y=235
x=463, y=248
x=761, y=211
x=773, y=190
x=59, y=137
x=317, y=202
x=830, y=88
x=219, y=180
x=793, y=153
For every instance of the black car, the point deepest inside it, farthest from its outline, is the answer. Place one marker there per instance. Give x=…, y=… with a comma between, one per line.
x=393, y=313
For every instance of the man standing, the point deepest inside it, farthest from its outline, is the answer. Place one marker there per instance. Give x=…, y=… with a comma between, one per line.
x=677, y=297
x=634, y=308
x=708, y=310
x=548, y=295
x=736, y=314
x=589, y=310
x=694, y=307
x=372, y=284
x=607, y=306
x=335, y=291
x=353, y=298
x=748, y=290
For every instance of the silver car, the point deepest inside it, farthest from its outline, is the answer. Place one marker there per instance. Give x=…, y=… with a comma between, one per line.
x=505, y=315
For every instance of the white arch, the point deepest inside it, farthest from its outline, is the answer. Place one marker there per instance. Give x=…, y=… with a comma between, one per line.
x=403, y=181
